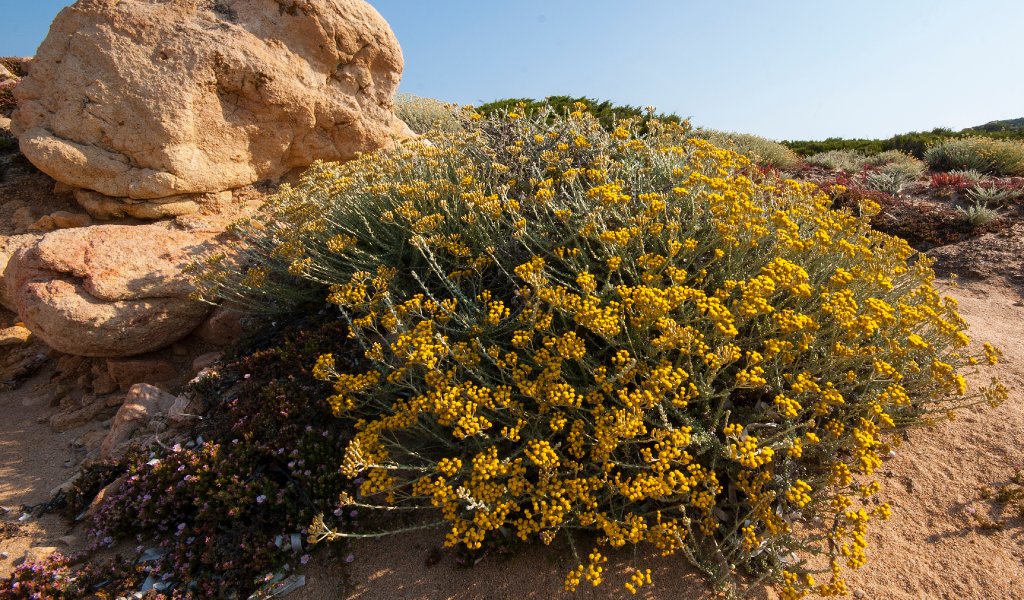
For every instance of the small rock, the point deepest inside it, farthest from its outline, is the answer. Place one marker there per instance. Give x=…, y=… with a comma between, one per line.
x=205, y=360
x=44, y=224
x=222, y=327
x=155, y=426
x=12, y=336
x=128, y=372
x=105, y=493
x=66, y=421
x=104, y=384
x=68, y=540
x=39, y=554
x=93, y=440
x=69, y=362
x=22, y=218
x=115, y=400
x=910, y=485
x=139, y=408
x=66, y=220
x=185, y=410
x=66, y=486
x=859, y=594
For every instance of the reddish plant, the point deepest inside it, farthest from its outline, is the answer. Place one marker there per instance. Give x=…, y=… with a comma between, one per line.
x=945, y=180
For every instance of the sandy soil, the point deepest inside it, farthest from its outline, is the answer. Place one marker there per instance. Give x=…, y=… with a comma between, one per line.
x=931, y=549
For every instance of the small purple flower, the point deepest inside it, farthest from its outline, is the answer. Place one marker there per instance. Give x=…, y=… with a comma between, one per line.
x=337, y=512
x=246, y=375
x=349, y=558
x=353, y=513
x=260, y=499
x=304, y=559
x=176, y=448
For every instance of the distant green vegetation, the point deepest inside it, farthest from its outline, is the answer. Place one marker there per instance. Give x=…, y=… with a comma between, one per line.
x=605, y=112
x=914, y=143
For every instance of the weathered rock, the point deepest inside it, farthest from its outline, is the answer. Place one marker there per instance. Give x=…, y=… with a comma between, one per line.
x=148, y=99
x=23, y=218
x=109, y=290
x=205, y=360
x=44, y=224
x=185, y=410
x=105, y=208
x=141, y=404
x=66, y=421
x=66, y=220
x=128, y=372
x=104, y=495
x=8, y=246
x=5, y=74
x=93, y=440
x=39, y=554
x=104, y=384
x=5, y=124
x=13, y=336
x=69, y=363
x=65, y=487
x=222, y=327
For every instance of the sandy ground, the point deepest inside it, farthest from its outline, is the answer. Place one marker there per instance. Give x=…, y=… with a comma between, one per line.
x=930, y=549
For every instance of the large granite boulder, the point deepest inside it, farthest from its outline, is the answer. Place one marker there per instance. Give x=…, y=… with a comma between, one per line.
x=108, y=290
x=150, y=99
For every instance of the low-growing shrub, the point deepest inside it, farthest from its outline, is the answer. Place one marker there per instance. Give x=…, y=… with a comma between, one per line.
x=569, y=332
x=849, y=161
x=424, y=114
x=759, y=150
x=606, y=113
x=892, y=162
x=977, y=214
x=985, y=155
x=992, y=195
x=923, y=227
x=955, y=179
x=891, y=183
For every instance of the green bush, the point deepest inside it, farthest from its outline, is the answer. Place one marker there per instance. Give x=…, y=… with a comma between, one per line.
x=759, y=150
x=914, y=143
x=424, y=114
x=901, y=166
x=573, y=333
x=985, y=155
x=605, y=112
x=849, y=161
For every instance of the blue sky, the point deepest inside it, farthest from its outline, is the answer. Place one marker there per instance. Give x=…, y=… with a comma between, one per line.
x=785, y=70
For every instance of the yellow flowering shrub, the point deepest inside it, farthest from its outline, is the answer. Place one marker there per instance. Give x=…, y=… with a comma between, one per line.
x=567, y=330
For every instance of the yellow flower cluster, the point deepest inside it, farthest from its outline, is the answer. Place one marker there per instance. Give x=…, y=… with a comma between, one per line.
x=624, y=333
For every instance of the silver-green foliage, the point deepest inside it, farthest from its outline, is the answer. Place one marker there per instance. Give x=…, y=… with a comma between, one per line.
x=977, y=215
x=851, y=161
x=992, y=196
x=891, y=183
x=425, y=114
x=985, y=155
x=761, y=151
